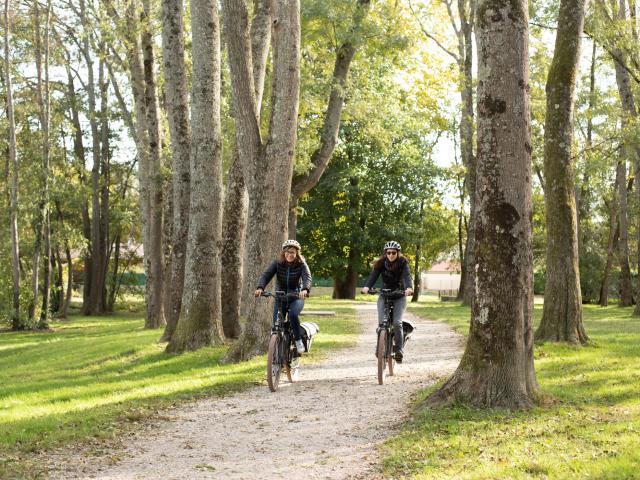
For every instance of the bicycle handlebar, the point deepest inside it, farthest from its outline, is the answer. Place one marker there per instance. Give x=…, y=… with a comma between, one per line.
x=280, y=294
x=385, y=292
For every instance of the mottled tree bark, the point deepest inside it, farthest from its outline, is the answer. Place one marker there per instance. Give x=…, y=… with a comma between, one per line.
x=234, y=229
x=266, y=166
x=631, y=151
x=42, y=230
x=626, y=293
x=180, y=133
x=236, y=203
x=16, y=320
x=136, y=70
x=496, y=369
x=153, y=253
x=466, y=12
x=562, y=312
x=611, y=244
x=200, y=317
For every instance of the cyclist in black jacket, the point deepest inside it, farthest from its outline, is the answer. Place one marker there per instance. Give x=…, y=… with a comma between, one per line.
x=292, y=275
x=394, y=268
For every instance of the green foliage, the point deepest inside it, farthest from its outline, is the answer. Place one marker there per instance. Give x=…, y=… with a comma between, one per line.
x=588, y=430
x=369, y=194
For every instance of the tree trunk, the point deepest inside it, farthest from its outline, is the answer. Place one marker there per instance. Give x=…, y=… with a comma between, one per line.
x=614, y=231
x=46, y=120
x=630, y=150
x=496, y=369
x=465, y=49
x=266, y=167
x=331, y=126
x=233, y=245
x=236, y=201
x=626, y=294
x=562, y=312
x=200, y=318
x=180, y=134
x=79, y=160
x=16, y=319
x=57, y=292
x=153, y=253
x=345, y=288
x=42, y=225
x=416, y=275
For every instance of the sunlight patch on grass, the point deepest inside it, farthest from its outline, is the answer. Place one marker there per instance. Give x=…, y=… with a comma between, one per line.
x=89, y=377
x=591, y=431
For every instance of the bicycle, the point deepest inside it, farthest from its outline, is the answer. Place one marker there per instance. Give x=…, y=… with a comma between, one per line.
x=282, y=354
x=386, y=343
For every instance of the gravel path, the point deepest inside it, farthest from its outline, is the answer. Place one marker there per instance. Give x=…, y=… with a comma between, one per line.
x=326, y=426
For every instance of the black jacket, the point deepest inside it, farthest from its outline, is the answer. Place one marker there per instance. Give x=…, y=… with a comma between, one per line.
x=395, y=275
x=290, y=278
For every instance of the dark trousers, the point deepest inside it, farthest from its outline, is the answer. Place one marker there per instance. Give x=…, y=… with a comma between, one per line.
x=294, y=307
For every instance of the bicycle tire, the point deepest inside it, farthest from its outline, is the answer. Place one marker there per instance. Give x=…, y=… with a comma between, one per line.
x=273, y=363
x=391, y=359
x=382, y=343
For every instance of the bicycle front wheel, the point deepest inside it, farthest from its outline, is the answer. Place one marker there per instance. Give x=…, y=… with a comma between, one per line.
x=391, y=359
x=273, y=362
x=382, y=344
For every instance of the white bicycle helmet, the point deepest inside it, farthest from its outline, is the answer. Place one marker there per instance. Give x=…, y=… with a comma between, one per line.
x=290, y=243
x=392, y=244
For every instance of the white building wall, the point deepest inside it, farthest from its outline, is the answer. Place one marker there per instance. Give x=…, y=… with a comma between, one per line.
x=440, y=281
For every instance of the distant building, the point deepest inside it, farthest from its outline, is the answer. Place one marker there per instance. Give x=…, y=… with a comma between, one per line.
x=442, y=278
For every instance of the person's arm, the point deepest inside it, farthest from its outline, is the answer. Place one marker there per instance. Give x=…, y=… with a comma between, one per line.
x=268, y=274
x=406, y=279
x=306, y=278
x=371, y=281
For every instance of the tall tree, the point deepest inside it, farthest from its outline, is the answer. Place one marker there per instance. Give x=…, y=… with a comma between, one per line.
x=268, y=165
x=153, y=253
x=497, y=366
x=236, y=202
x=614, y=232
x=200, y=317
x=180, y=134
x=16, y=320
x=562, y=312
x=42, y=233
x=301, y=184
x=462, y=23
x=630, y=149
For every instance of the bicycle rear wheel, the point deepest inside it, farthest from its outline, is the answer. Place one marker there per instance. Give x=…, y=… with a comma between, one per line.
x=273, y=362
x=382, y=343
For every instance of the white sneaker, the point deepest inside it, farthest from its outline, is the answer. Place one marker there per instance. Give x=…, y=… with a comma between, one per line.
x=300, y=346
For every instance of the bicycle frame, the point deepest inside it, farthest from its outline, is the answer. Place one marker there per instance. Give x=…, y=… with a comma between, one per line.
x=386, y=353
x=284, y=355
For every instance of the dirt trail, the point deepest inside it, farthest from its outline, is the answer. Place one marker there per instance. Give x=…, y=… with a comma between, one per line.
x=326, y=426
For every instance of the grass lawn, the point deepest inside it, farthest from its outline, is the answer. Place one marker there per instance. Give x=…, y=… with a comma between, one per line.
x=592, y=429
x=93, y=378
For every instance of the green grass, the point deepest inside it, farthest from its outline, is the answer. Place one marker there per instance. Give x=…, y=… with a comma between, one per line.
x=93, y=378
x=591, y=430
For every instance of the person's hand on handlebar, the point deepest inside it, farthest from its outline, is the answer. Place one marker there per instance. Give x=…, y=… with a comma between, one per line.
x=408, y=292
x=258, y=292
x=303, y=294
x=364, y=290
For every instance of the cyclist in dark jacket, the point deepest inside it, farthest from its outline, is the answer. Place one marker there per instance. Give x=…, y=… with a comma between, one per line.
x=394, y=268
x=292, y=276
